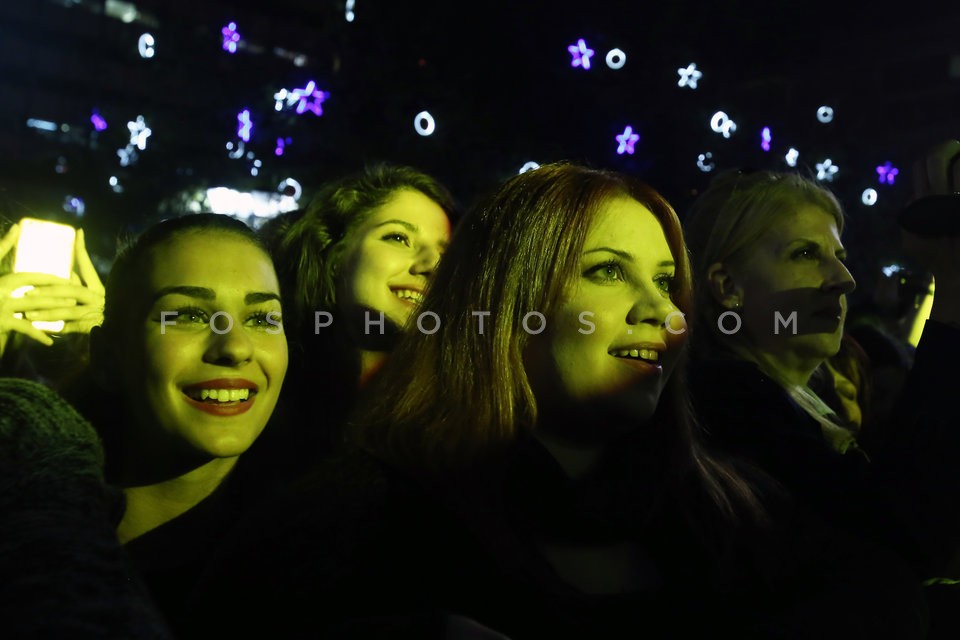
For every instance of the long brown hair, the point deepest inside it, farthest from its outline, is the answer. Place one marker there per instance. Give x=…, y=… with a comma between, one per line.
x=470, y=396
x=308, y=249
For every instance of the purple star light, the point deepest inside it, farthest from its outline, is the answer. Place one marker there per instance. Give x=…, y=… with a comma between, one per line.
x=97, y=120
x=230, y=37
x=581, y=54
x=244, y=125
x=627, y=139
x=304, y=96
x=765, y=139
x=887, y=173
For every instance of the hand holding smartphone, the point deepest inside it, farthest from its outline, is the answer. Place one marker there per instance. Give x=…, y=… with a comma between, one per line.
x=44, y=247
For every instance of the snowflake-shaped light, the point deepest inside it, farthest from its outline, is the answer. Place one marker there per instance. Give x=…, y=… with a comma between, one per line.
x=826, y=170
x=689, y=76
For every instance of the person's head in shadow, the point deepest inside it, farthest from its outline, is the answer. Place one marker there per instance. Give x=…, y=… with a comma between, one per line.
x=356, y=262
x=193, y=352
x=557, y=315
x=770, y=271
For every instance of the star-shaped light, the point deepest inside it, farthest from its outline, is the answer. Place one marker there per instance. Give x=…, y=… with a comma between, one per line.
x=826, y=170
x=139, y=132
x=791, y=157
x=97, y=120
x=689, y=76
x=887, y=173
x=765, y=139
x=230, y=37
x=310, y=98
x=627, y=139
x=244, y=125
x=581, y=54
x=128, y=155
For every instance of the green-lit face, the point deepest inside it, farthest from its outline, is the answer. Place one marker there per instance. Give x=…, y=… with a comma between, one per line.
x=797, y=266
x=389, y=259
x=607, y=343
x=174, y=359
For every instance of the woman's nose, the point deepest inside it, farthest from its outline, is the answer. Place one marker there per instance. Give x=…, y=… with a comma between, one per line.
x=839, y=279
x=229, y=344
x=426, y=261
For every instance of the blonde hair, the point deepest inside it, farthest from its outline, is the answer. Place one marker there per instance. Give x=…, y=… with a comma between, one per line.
x=728, y=218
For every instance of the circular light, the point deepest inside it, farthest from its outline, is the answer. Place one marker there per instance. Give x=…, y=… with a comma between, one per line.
x=825, y=114
x=616, y=58
x=705, y=162
x=869, y=197
x=290, y=183
x=529, y=166
x=146, y=46
x=424, y=124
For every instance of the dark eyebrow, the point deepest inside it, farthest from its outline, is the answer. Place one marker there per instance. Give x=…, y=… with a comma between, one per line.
x=627, y=256
x=257, y=297
x=622, y=254
x=204, y=293
x=184, y=290
x=409, y=227
x=403, y=223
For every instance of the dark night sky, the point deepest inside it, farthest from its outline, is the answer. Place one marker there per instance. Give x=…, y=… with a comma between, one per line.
x=497, y=78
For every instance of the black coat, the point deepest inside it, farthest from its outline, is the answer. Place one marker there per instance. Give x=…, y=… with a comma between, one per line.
x=903, y=496
x=361, y=550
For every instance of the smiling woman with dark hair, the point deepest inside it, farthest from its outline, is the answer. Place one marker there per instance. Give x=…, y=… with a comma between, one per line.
x=353, y=265
x=192, y=355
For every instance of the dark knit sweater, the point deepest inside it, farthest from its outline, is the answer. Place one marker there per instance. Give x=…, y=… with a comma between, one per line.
x=63, y=574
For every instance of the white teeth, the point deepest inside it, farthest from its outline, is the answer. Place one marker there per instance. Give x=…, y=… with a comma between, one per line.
x=225, y=395
x=646, y=354
x=409, y=294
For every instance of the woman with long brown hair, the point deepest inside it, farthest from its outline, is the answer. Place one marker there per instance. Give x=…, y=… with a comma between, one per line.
x=527, y=459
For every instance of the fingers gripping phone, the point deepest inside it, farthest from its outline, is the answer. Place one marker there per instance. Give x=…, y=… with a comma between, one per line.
x=44, y=247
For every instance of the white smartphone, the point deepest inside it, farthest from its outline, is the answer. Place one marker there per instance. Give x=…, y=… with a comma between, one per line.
x=44, y=247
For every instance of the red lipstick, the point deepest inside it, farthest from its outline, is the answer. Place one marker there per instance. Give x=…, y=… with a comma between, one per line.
x=217, y=408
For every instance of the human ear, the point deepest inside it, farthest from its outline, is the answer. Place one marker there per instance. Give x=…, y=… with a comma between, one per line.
x=722, y=286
